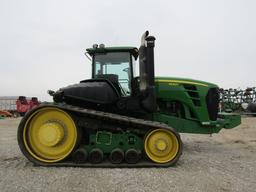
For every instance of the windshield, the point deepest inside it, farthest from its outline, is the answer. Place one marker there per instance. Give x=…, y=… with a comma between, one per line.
x=116, y=64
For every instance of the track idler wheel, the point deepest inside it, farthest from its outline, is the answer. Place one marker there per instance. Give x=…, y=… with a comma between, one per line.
x=96, y=156
x=80, y=155
x=116, y=156
x=163, y=146
x=132, y=156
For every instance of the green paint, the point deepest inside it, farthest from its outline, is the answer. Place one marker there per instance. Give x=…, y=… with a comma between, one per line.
x=184, y=80
x=226, y=121
x=230, y=120
x=168, y=92
x=185, y=125
x=108, y=141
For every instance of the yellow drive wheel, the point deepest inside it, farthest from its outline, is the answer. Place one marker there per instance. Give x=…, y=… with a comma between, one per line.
x=49, y=135
x=162, y=145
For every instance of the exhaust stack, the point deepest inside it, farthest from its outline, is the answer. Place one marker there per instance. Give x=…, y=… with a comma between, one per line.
x=147, y=72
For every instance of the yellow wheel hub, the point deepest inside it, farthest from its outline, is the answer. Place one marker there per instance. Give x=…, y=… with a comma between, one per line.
x=50, y=134
x=161, y=145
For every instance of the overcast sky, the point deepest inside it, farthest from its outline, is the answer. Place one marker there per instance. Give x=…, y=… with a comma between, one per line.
x=42, y=43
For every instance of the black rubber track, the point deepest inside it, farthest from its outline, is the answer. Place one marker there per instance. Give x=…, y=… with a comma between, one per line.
x=110, y=117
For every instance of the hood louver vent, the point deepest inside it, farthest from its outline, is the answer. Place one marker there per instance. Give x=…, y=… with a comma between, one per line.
x=193, y=94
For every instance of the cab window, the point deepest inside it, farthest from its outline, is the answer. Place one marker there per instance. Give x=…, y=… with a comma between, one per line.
x=116, y=64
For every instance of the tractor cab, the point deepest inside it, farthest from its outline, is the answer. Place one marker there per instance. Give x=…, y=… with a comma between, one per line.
x=114, y=81
x=116, y=64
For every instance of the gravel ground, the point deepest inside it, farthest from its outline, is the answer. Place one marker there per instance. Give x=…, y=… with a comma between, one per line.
x=221, y=162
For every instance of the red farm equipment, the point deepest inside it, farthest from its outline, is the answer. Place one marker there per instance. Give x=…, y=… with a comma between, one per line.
x=17, y=106
x=33, y=102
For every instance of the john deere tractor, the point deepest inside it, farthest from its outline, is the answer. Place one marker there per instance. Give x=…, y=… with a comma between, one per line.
x=121, y=119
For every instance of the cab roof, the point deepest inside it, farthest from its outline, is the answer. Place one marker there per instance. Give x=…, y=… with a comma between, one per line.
x=133, y=50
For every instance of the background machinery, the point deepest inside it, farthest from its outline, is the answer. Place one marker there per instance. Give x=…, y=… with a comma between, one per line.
x=238, y=100
x=118, y=119
x=15, y=106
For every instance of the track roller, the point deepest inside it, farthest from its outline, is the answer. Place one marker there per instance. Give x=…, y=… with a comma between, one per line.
x=96, y=156
x=80, y=155
x=116, y=156
x=132, y=156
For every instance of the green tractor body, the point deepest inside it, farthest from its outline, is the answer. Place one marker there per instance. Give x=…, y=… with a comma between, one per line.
x=191, y=106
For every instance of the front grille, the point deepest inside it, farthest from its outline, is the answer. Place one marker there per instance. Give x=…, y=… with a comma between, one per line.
x=212, y=101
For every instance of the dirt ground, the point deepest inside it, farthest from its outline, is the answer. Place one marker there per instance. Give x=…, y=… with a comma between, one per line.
x=221, y=162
